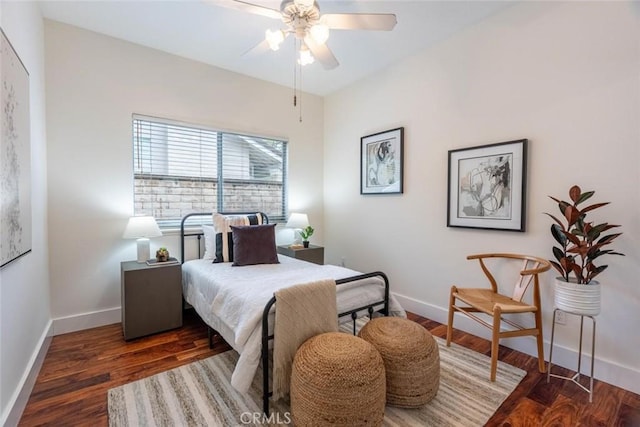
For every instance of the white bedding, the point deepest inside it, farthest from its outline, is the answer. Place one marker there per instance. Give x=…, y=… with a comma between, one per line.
x=231, y=300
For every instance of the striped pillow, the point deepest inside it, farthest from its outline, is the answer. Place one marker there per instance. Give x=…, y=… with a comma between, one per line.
x=224, y=236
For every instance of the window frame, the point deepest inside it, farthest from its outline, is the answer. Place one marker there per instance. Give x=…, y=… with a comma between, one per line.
x=174, y=223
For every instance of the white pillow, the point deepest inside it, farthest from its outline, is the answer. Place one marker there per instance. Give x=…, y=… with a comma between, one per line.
x=209, y=242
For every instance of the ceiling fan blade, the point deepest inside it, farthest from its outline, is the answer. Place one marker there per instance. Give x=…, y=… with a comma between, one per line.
x=244, y=6
x=322, y=54
x=258, y=49
x=360, y=21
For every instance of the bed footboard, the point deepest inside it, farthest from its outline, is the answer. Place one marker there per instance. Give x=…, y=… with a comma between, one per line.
x=266, y=337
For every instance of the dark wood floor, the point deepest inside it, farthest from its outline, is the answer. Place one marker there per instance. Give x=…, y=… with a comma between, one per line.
x=80, y=367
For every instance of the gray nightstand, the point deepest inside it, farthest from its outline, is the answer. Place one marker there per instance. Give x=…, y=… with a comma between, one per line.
x=151, y=298
x=313, y=253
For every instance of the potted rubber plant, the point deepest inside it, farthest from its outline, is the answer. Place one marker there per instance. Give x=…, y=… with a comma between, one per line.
x=581, y=244
x=305, y=233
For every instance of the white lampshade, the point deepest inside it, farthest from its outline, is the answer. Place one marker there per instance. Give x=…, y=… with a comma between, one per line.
x=297, y=220
x=274, y=38
x=319, y=33
x=306, y=57
x=142, y=228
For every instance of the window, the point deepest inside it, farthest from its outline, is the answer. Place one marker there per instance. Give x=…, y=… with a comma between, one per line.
x=181, y=169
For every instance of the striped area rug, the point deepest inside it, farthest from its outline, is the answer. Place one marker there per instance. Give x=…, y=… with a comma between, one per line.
x=200, y=394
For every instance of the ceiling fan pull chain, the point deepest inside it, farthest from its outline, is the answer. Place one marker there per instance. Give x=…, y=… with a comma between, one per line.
x=300, y=93
x=295, y=74
x=297, y=90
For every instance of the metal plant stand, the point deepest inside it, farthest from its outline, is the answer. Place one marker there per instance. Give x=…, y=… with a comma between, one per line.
x=576, y=378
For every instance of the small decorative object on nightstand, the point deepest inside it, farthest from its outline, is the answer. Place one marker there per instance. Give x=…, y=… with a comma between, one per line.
x=162, y=255
x=305, y=234
x=297, y=221
x=313, y=253
x=151, y=298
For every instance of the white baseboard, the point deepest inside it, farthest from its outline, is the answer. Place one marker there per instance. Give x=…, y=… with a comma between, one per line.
x=604, y=370
x=19, y=400
x=57, y=326
x=79, y=322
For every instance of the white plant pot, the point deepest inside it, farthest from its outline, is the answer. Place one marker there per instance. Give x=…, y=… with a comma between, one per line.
x=577, y=299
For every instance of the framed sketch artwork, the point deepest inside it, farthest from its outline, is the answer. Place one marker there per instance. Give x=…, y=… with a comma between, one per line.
x=487, y=186
x=381, y=162
x=15, y=156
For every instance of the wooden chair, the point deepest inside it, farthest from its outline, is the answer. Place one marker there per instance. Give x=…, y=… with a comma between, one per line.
x=494, y=304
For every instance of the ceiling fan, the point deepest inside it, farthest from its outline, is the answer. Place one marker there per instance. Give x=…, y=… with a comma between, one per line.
x=302, y=19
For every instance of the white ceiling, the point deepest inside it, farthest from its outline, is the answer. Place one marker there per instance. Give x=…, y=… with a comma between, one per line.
x=208, y=32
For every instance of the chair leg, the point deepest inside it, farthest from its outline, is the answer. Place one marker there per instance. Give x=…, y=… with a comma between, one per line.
x=452, y=301
x=541, y=363
x=495, y=342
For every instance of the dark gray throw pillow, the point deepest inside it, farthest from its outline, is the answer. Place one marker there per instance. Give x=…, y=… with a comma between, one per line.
x=254, y=244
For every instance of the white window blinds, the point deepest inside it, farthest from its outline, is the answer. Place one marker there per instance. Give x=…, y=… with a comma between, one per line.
x=181, y=169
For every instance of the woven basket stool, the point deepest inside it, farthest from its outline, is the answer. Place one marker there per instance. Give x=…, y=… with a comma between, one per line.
x=337, y=379
x=411, y=360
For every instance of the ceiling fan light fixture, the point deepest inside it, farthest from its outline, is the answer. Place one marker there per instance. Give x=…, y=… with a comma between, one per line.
x=319, y=33
x=306, y=57
x=274, y=38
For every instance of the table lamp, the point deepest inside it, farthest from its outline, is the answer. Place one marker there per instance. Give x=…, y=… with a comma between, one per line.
x=142, y=228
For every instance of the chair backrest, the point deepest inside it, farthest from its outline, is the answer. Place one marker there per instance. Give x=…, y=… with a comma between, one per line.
x=531, y=267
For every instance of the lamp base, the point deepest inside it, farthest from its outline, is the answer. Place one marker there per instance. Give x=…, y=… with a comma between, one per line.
x=143, y=249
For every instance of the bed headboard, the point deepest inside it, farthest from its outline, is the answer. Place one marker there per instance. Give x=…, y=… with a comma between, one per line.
x=197, y=234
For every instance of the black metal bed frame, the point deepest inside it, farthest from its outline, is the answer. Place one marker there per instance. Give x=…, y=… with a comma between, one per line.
x=266, y=394
x=266, y=337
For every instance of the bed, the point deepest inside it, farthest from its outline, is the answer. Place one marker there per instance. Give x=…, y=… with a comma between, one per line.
x=238, y=303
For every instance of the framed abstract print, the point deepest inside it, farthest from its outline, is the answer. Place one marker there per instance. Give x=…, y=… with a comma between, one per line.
x=15, y=156
x=487, y=186
x=381, y=162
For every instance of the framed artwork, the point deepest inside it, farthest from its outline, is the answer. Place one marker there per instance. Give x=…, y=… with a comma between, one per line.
x=487, y=186
x=381, y=162
x=15, y=156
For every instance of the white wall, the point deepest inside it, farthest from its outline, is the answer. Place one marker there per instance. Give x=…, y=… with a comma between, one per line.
x=94, y=84
x=564, y=75
x=24, y=284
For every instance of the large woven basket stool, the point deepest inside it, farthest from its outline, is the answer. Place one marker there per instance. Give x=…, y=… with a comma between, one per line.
x=337, y=379
x=411, y=360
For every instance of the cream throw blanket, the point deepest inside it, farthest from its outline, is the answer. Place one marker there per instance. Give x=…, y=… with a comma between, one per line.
x=302, y=312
